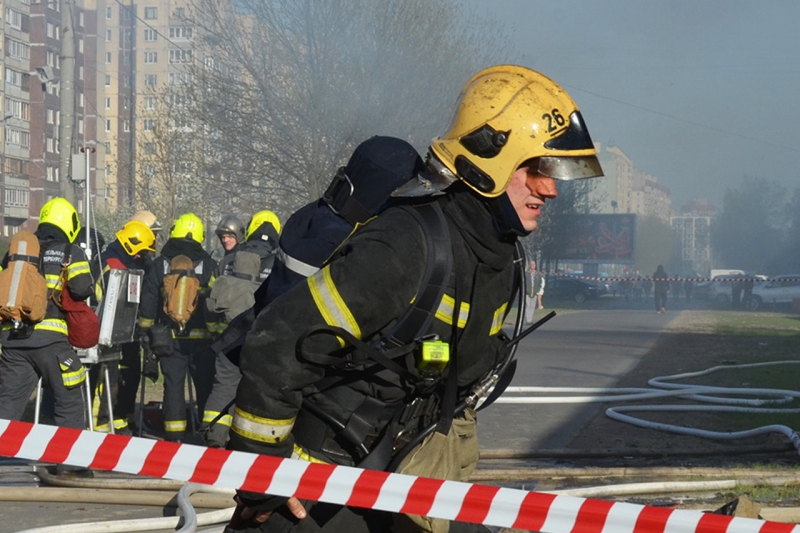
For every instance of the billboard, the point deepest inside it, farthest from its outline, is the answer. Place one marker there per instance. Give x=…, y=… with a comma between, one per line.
x=597, y=239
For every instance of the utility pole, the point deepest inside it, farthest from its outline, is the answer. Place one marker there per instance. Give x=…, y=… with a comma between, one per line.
x=67, y=126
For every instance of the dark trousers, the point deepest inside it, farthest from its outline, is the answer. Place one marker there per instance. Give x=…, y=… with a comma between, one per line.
x=661, y=299
x=20, y=369
x=226, y=381
x=190, y=357
x=130, y=372
x=329, y=518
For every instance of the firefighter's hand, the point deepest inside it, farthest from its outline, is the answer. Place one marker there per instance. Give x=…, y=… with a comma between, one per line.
x=244, y=516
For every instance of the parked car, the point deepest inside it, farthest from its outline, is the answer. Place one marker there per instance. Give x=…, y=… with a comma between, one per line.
x=722, y=291
x=779, y=290
x=570, y=289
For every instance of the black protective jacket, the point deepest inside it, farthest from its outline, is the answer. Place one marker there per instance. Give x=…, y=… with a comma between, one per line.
x=54, y=251
x=263, y=242
x=365, y=289
x=151, y=307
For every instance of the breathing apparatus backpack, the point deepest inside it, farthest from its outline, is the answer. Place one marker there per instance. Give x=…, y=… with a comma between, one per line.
x=181, y=291
x=23, y=288
x=233, y=293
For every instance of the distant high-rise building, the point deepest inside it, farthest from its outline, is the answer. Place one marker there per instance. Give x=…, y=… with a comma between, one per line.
x=693, y=226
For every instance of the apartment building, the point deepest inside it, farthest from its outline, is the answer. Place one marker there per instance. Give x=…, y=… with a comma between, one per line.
x=150, y=45
x=693, y=226
x=626, y=189
x=36, y=151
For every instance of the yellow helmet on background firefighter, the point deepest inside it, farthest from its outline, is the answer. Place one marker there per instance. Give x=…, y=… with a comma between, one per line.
x=507, y=115
x=188, y=226
x=136, y=236
x=62, y=214
x=260, y=218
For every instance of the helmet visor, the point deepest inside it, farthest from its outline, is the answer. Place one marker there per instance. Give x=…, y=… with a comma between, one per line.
x=569, y=168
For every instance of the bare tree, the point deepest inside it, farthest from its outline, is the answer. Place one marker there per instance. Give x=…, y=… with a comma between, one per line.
x=287, y=88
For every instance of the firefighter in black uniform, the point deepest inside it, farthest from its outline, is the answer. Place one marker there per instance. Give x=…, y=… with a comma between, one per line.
x=514, y=132
x=261, y=238
x=127, y=252
x=42, y=350
x=190, y=350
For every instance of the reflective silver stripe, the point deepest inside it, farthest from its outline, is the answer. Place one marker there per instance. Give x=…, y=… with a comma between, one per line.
x=261, y=429
x=330, y=303
x=445, y=312
x=17, y=274
x=497, y=321
x=295, y=265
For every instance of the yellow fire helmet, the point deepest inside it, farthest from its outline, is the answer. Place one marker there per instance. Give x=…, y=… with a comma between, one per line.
x=188, y=226
x=62, y=214
x=136, y=236
x=507, y=115
x=149, y=219
x=260, y=218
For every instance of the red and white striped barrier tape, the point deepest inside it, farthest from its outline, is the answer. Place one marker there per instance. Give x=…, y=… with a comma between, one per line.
x=370, y=489
x=681, y=279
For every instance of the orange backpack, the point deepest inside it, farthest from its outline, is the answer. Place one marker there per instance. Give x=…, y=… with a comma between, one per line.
x=23, y=289
x=181, y=290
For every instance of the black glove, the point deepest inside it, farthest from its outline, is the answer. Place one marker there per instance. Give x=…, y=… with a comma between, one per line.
x=150, y=362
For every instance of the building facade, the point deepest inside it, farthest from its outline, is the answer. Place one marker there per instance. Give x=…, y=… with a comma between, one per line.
x=693, y=226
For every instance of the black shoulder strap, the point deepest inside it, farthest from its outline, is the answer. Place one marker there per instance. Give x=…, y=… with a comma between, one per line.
x=420, y=314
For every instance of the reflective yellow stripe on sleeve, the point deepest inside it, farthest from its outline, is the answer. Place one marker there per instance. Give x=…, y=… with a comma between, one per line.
x=146, y=322
x=497, y=321
x=261, y=429
x=209, y=416
x=299, y=453
x=78, y=268
x=330, y=303
x=53, y=281
x=445, y=312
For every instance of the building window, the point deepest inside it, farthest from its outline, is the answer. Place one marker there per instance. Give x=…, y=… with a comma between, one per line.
x=80, y=76
x=108, y=80
x=150, y=80
x=150, y=13
x=108, y=36
x=16, y=198
x=150, y=58
x=81, y=19
x=150, y=103
x=52, y=30
x=17, y=49
x=149, y=124
x=108, y=102
x=80, y=126
x=18, y=109
x=109, y=12
x=18, y=137
x=149, y=148
x=180, y=12
x=181, y=33
x=108, y=125
x=108, y=58
x=180, y=56
x=18, y=79
x=150, y=35
x=80, y=45
x=15, y=19
x=126, y=126
x=81, y=97
x=52, y=174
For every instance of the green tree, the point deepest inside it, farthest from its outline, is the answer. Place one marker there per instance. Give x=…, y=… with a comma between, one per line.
x=750, y=231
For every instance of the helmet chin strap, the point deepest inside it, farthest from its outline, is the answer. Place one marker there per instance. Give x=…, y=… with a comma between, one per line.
x=505, y=216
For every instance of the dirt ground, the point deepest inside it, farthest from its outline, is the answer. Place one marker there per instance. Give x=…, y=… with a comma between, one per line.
x=692, y=345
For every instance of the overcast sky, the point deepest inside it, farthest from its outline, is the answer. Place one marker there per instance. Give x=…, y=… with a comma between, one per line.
x=697, y=93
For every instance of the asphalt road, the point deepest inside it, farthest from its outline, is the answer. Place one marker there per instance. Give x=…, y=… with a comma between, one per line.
x=591, y=348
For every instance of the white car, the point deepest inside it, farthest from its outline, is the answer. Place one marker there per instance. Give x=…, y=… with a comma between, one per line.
x=778, y=290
